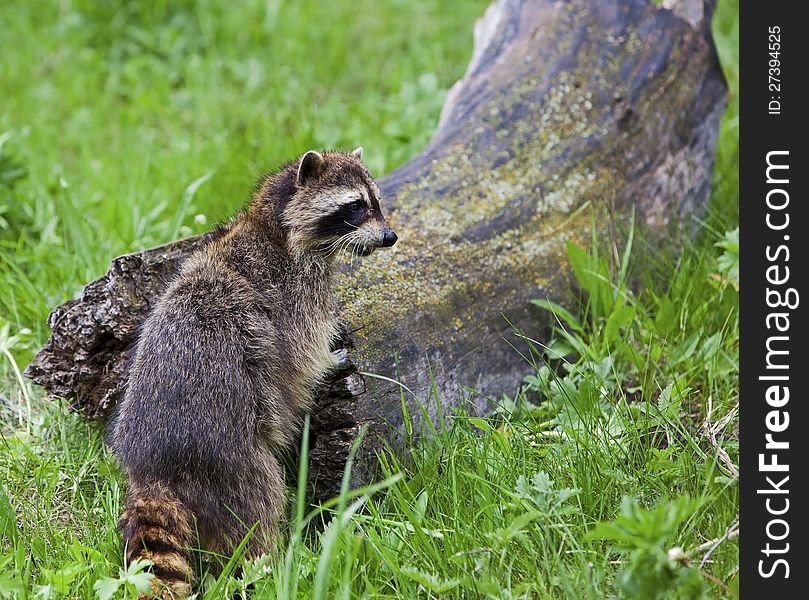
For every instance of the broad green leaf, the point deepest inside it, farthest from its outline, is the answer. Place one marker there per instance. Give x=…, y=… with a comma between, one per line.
x=559, y=311
x=106, y=587
x=711, y=347
x=481, y=424
x=621, y=316
x=582, y=268
x=421, y=507
x=729, y=260
x=142, y=581
x=686, y=349
x=522, y=521
x=670, y=402
x=559, y=348
x=10, y=583
x=666, y=318
x=59, y=581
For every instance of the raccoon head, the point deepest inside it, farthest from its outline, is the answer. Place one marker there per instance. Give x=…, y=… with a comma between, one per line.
x=335, y=207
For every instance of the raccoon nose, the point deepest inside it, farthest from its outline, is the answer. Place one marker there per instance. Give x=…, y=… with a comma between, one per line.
x=389, y=238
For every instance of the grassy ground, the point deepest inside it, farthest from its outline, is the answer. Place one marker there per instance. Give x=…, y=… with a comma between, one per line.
x=124, y=127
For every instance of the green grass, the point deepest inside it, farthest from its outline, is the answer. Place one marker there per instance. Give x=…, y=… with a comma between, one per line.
x=611, y=486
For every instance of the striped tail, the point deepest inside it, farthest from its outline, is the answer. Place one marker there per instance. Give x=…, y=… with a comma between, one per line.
x=156, y=526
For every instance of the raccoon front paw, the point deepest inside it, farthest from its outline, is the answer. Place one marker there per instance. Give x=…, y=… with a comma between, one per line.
x=341, y=360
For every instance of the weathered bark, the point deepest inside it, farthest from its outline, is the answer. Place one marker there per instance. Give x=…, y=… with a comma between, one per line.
x=607, y=103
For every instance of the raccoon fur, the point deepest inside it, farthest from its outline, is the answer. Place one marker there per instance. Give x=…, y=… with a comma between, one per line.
x=226, y=365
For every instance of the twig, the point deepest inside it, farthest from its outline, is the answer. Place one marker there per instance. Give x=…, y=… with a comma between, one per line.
x=710, y=546
x=718, y=582
x=712, y=429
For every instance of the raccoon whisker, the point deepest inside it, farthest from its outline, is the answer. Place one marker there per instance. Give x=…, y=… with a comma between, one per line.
x=334, y=250
x=339, y=247
x=351, y=225
x=355, y=249
x=329, y=249
x=353, y=240
x=351, y=245
x=332, y=247
x=341, y=243
x=349, y=240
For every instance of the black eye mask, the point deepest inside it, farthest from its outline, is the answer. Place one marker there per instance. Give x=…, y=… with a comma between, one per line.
x=344, y=220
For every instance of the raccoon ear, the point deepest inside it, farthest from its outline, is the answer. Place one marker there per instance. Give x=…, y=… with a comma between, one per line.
x=357, y=153
x=309, y=166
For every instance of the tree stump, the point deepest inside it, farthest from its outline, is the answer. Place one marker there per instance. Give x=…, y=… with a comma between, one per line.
x=566, y=107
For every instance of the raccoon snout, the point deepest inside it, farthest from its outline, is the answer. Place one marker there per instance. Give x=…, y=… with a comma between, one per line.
x=389, y=238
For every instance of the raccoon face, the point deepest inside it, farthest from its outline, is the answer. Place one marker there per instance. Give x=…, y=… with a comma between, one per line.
x=335, y=206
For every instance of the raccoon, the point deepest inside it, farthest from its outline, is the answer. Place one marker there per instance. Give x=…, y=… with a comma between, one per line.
x=227, y=362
